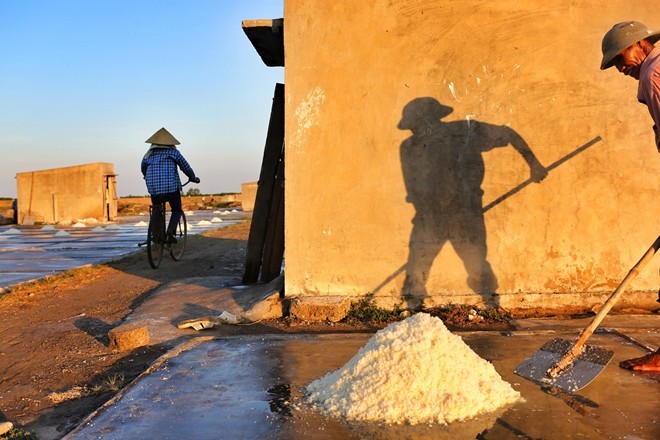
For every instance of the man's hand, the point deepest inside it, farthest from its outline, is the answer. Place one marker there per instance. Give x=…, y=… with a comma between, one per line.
x=538, y=173
x=195, y=180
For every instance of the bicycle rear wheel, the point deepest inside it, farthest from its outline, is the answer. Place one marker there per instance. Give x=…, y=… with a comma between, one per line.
x=181, y=234
x=156, y=236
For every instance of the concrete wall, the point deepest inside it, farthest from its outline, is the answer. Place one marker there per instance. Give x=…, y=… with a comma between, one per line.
x=411, y=132
x=248, y=195
x=67, y=194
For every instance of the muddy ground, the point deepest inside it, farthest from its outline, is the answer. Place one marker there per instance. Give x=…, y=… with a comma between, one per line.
x=55, y=363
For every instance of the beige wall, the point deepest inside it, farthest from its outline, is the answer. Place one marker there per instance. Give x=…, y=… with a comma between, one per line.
x=512, y=72
x=66, y=194
x=248, y=195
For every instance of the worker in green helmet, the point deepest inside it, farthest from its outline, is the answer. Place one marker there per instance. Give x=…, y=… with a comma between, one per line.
x=630, y=46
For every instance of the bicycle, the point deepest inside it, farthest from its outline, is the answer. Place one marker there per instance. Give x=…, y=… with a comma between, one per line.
x=157, y=242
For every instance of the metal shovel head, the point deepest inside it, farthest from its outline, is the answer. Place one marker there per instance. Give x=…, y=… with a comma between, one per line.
x=575, y=376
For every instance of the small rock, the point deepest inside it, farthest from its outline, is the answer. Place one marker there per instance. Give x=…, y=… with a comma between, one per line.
x=5, y=427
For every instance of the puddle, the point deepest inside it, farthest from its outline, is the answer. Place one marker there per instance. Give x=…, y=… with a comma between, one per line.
x=252, y=387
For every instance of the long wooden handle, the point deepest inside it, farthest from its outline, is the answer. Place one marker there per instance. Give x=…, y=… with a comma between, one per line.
x=570, y=356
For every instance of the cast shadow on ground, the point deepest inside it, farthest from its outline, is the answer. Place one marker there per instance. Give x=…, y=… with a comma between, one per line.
x=96, y=328
x=67, y=415
x=204, y=257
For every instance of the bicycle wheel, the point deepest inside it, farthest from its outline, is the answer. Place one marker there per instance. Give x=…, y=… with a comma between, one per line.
x=181, y=233
x=155, y=236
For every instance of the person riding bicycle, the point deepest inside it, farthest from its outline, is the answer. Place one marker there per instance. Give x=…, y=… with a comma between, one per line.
x=159, y=169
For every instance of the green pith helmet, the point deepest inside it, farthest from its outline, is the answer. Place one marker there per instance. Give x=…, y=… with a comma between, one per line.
x=623, y=35
x=162, y=137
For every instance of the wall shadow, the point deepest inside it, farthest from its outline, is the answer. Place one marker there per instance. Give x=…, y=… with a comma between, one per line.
x=443, y=169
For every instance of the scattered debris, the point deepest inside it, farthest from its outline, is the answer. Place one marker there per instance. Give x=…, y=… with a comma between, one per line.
x=210, y=321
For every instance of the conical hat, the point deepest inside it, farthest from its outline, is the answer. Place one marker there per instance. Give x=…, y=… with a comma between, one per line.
x=162, y=137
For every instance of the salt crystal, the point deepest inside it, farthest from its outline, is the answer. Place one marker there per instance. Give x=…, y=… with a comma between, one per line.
x=414, y=371
x=216, y=220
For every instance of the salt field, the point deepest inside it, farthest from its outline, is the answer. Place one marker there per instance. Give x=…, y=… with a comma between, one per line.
x=33, y=252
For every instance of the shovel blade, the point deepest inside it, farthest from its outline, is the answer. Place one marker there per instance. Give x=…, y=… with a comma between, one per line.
x=575, y=376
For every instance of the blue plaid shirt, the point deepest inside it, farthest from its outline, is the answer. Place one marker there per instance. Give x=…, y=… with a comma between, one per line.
x=159, y=168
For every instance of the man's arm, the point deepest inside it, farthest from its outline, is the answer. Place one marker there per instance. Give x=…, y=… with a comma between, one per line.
x=185, y=166
x=500, y=136
x=537, y=171
x=654, y=105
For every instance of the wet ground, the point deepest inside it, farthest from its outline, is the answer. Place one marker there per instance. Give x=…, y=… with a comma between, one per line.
x=251, y=387
x=38, y=251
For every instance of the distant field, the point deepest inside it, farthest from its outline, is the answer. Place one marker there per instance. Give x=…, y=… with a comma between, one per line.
x=134, y=205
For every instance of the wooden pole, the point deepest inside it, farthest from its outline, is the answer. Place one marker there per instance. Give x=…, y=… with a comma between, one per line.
x=263, y=200
x=588, y=331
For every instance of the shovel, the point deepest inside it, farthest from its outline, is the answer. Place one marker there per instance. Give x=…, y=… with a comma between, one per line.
x=572, y=366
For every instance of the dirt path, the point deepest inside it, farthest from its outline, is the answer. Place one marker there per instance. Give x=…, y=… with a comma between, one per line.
x=55, y=364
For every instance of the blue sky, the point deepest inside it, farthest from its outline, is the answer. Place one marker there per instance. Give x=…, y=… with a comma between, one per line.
x=85, y=81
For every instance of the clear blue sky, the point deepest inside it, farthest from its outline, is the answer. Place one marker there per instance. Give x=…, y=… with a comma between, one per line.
x=86, y=81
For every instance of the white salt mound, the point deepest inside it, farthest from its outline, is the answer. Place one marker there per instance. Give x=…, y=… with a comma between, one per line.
x=48, y=228
x=12, y=231
x=112, y=227
x=141, y=223
x=414, y=371
x=216, y=220
x=79, y=225
x=98, y=229
x=62, y=234
x=203, y=223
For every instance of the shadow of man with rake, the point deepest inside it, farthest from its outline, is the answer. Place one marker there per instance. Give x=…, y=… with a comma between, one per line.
x=443, y=170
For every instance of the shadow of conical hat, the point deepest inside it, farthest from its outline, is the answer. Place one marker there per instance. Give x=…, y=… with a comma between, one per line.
x=162, y=137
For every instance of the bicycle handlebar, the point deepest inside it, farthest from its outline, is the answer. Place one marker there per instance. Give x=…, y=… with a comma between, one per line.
x=187, y=182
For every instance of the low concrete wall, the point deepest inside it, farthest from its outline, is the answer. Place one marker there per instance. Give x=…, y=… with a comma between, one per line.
x=67, y=194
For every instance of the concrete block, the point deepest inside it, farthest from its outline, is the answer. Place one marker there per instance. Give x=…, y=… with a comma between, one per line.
x=129, y=336
x=320, y=308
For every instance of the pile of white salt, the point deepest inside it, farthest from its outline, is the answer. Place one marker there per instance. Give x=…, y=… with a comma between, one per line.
x=414, y=371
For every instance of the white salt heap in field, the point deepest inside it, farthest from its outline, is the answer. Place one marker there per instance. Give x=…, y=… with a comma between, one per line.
x=413, y=371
